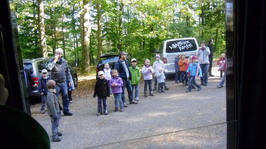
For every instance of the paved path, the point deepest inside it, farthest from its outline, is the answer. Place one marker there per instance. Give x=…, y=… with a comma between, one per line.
x=174, y=119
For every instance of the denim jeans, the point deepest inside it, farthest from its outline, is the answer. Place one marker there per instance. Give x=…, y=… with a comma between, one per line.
x=177, y=76
x=135, y=89
x=118, y=100
x=223, y=80
x=62, y=88
x=204, y=69
x=155, y=82
x=127, y=84
x=160, y=86
x=55, y=124
x=147, y=83
x=102, y=105
x=192, y=82
x=44, y=99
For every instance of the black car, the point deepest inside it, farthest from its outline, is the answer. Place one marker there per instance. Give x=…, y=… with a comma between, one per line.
x=110, y=58
x=34, y=67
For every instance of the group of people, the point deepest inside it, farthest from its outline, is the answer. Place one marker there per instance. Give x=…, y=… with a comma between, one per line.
x=124, y=76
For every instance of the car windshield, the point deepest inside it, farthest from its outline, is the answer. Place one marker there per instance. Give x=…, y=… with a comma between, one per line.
x=109, y=59
x=42, y=65
x=181, y=45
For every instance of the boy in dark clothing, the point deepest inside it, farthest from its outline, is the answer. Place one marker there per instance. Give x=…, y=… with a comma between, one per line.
x=102, y=90
x=44, y=89
x=53, y=110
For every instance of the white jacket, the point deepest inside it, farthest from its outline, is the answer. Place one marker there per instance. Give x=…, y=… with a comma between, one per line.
x=203, y=55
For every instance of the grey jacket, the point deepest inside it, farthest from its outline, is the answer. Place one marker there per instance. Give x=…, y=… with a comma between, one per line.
x=59, y=70
x=203, y=55
x=52, y=103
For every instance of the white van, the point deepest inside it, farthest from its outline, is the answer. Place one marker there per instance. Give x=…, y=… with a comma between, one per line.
x=171, y=48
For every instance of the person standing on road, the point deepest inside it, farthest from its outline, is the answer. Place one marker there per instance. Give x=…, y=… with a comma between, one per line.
x=221, y=63
x=156, y=66
x=61, y=75
x=122, y=66
x=70, y=88
x=161, y=80
x=116, y=84
x=177, y=70
x=223, y=67
x=43, y=89
x=136, y=75
x=194, y=70
x=102, y=91
x=211, y=47
x=203, y=58
x=53, y=110
x=147, y=72
x=183, y=65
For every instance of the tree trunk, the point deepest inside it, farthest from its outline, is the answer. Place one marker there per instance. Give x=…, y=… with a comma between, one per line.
x=41, y=27
x=120, y=30
x=99, y=31
x=85, y=32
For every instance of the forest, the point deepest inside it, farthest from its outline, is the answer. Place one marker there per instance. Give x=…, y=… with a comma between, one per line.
x=85, y=29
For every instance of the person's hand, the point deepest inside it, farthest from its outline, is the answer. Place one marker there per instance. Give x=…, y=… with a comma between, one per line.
x=70, y=84
x=56, y=57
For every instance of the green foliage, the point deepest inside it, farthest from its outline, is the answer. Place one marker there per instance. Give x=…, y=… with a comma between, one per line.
x=137, y=27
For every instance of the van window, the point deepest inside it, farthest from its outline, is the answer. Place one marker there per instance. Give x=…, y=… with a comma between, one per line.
x=181, y=45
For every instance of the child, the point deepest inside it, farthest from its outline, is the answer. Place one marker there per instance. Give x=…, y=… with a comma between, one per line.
x=107, y=72
x=177, y=70
x=221, y=84
x=70, y=88
x=43, y=80
x=135, y=78
x=53, y=110
x=147, y=72
x=116, y=84
x=156, y=66
x=221, y=63
x=102, y=91
x=194, y=70
x=183, y=65
x=161, y=80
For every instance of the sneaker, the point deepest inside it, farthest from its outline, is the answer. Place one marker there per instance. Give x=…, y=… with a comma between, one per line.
x=68, y=113
x=59, y=134
x=133, y=102
x=145, y=95
x=166, y=88
x=105, y=113
x=98, y=114
x=154, y=89
x=211, y=75
x=137, y=99
x=151, y=94
x=71, y=101
x=198, y=89
x=56, y=140
x=42, y=111
x=116, y=109
x=187, y=91
x=219, y=86
x=121, y=110
x=125, y=105
x=162, y=91
x=159, y=91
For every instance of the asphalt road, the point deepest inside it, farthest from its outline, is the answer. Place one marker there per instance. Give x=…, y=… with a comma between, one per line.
x=174, y=119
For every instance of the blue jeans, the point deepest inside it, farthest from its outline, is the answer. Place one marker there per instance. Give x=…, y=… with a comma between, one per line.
x=146, y=84
x=177, y=76
x=204, y=69
x=127, y=84
x=223, y=80
x=135, y=88
x=44, y=99
x=55, y=124
x=102, y=105
x=118, y=100
x=192, y=82
x=62, y=88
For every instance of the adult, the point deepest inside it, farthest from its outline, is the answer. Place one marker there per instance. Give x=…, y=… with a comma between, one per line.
x=61, y=75
x=211, y=47
x=203, y=57
x=122, y=66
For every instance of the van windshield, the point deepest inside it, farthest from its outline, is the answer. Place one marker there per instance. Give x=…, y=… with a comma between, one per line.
x=181, y=45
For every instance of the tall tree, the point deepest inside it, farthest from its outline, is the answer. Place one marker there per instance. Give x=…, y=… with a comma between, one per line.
x=41, y=27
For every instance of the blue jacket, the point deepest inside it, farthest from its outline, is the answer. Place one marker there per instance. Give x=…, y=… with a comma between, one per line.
x=122, y=72
x=42, y=85
x=194, y=69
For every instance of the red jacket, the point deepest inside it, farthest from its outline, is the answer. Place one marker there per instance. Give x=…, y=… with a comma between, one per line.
x=183, y=64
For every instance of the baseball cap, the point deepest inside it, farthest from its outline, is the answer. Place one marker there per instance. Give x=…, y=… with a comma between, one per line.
x=100, y=73
x=194, y=57
x=157, y=55
x=133, y=60
x=44, y=71
x=123, y=53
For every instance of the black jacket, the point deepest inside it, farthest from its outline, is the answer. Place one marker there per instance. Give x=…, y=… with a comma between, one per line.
x=102, y=88
x=122, y=72
x=59, y=70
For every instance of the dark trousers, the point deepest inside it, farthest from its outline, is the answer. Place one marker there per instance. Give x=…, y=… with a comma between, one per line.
x=183, y=77
x=55, y=124
x=204, y=69
x=210, y=66
x=70, y=95
x=102, y=105
x=160, y=87
x=177, y=76
x=147, y=83
x=155, y=83
x=127, y=84
x=192, y=83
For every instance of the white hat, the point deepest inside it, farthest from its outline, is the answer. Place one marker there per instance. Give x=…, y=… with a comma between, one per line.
x=59, y=50
x=133, y=60
x=157, y=55
x=44, y=71
x=100, y=73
